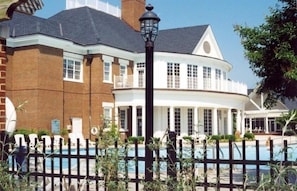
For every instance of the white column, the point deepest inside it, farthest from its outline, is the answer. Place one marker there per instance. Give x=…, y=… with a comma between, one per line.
x=215, y=121
x=251, y=128
x=172, y=128
x=134, y=120
x=238, y=121
x=229, y=122
x=196, y=125
x=242, y=123
x=266, y=125
x=116, y=114
x=143, y=121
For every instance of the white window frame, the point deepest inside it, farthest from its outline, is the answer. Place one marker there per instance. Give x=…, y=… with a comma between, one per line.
x=123, y=119
x=140, y=67
x=124, y=66
x=207, y=77
x=76, y=59
x=173, y=75
x=107, y=75
x=192, y=75
x=107, y=113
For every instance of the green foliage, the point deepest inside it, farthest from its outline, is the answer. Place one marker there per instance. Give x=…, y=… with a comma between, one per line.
x=187, y=138
x=108, y=137
x=283, y=178
x=138, y=139
x=222, y=137
x=215, y=137
x=249, y=136
x=271, y=49
x=286, y=119
x=228, y=137
x=9, y=182
x=109, y=163
x=25, y=132
x=63, y=132
x=42, y=132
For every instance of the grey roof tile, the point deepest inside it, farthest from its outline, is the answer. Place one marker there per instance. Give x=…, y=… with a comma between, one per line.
x=87, y=26
x=180, y=40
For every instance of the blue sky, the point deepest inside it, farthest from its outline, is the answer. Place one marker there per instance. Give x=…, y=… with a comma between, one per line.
x=222, y=15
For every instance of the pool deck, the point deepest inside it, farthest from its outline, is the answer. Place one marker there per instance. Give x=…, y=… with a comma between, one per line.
x=277, y=139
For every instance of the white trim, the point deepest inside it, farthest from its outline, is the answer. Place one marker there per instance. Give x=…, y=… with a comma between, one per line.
x=107, y=59
x=73, y=56
x=38, y=39
x=108, y=104
x=123, y=62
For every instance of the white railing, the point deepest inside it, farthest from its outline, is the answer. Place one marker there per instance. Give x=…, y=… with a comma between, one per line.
x=228, y=86
x=95, y=4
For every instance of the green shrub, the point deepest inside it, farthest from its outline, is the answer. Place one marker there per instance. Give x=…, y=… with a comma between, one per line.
x=187, y=138
x=249, y=136
x=215, y=137
x=42, y=132
x=228, y=137
x=25, y=132
x=138, y=139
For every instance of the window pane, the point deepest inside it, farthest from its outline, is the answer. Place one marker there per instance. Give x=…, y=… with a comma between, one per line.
x=122, y=70
x=64, y=68
x=72, y=70
x=106, y=71
x=177, y=122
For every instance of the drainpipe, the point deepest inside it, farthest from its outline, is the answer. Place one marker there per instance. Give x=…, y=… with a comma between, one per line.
x=89, y=58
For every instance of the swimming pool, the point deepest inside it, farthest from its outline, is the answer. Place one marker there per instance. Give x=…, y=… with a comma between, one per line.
x=73, y=157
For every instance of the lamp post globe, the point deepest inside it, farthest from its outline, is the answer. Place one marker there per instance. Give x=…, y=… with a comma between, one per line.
x=149, y=22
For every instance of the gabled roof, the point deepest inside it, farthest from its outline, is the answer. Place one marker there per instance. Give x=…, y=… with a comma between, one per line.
x=291, y=104
x=180, y=40
x=86, y=26
x=257, y=100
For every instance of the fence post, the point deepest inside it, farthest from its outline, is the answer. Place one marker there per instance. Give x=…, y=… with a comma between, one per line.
x=171, y=161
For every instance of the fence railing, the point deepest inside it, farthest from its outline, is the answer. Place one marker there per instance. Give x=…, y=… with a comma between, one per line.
x=178, y=164
x=130, y=81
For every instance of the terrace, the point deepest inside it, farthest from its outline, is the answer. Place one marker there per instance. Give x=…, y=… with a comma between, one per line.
x=206, y=84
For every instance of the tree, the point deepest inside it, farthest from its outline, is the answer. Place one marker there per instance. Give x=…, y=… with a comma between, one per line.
x=271, y=49
x=286, y=119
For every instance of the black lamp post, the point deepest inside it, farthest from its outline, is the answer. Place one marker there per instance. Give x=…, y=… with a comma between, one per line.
x=149, y=30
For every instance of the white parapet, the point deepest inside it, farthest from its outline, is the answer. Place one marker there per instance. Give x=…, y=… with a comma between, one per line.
x=95, y=4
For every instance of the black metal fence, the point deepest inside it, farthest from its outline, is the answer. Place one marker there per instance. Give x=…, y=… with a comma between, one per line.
x=177, y=164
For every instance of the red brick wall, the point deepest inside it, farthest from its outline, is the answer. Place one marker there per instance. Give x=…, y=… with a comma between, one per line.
x=3, y=61
x=132, y=10
x=35, y=74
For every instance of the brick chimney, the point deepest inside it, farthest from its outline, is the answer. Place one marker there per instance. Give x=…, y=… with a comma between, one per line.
x=132, y=11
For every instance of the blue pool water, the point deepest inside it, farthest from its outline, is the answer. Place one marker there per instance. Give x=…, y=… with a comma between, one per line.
x=264, y=154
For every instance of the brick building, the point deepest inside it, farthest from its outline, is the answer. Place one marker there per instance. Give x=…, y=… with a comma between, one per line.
x=83, y=64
